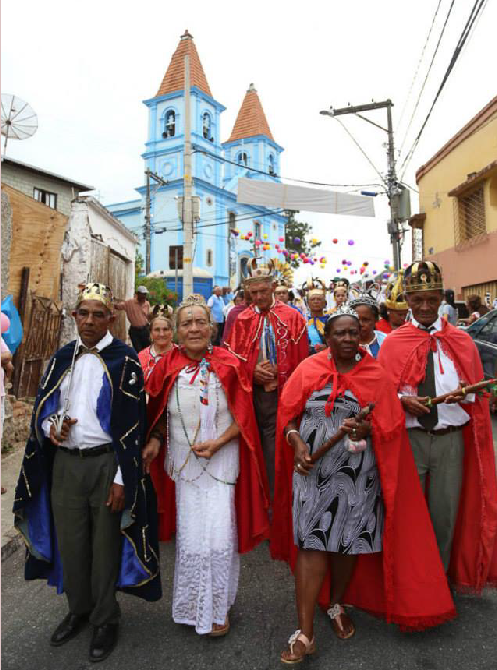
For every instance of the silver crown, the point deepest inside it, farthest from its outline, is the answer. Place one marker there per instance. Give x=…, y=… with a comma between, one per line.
x=364, y=299
x=344, y=310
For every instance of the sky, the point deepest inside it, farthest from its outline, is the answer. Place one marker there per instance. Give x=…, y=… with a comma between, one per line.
x=86, y=68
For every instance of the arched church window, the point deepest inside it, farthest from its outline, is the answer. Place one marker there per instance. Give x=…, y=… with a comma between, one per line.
x=170, y=124
x=271, y=165
x=242, y=158
x=206, y=127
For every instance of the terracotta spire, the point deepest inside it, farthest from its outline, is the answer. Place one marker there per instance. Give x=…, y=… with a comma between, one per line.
x=174, y=79
x=251, y=120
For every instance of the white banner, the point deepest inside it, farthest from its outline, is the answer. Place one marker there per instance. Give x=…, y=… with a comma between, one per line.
x=286, y=196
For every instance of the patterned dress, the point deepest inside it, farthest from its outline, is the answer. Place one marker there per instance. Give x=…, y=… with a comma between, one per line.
x=338, y=506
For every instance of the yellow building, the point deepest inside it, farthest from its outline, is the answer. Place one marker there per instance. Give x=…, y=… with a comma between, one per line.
x=457, y=223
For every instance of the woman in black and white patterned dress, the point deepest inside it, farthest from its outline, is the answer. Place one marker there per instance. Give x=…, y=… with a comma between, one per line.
x=337, y=504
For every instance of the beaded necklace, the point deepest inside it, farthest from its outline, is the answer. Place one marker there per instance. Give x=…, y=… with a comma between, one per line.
x=191, y=443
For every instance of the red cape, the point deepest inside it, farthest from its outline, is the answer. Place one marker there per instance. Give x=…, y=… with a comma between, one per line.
x=405, y=583
x=474, y=549
x=290, y=330
x=252, y=491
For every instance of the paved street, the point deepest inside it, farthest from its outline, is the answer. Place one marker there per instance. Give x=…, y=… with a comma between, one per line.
x=262, y=619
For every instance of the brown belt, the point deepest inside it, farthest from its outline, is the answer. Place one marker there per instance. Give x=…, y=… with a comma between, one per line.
x=441, y=431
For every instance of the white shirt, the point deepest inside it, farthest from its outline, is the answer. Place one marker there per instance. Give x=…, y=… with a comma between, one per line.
x=86, y=384
x=448, y=415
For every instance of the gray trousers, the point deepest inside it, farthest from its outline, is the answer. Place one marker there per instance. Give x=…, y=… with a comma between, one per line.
x=442, y=457
x=266, y=406
x=88, y=534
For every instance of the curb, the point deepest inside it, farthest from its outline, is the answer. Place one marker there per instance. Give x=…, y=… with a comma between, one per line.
x=13, y=543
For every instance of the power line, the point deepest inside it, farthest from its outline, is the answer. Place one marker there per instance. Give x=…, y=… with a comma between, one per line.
x=475, y=11
x=426, y=77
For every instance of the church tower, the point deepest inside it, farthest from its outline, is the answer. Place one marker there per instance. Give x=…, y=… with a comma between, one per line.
x=251, y=143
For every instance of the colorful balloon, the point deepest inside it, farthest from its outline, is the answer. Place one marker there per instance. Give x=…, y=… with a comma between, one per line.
x=335, y=241
x=351, y=243
x=296, y=240
x=281, y=239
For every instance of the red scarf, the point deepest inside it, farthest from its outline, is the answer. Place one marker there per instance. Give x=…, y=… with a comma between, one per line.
x=405, y=583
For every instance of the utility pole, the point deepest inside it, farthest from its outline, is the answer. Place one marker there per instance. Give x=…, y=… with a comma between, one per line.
x=149, y=174
x=392, y=184
x=187, y=200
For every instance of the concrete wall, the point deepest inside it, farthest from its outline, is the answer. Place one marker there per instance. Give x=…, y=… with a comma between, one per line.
x=25, y=180
x=470, y=264
x=6, y=241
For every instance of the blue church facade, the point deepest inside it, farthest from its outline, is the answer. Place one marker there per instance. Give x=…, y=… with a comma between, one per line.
x=220, y=254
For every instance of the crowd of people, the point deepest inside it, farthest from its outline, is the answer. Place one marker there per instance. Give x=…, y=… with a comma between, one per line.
x=306, y=424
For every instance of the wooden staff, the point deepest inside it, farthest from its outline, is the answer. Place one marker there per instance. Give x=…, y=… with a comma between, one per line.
x=473, y=388
x=340, y=434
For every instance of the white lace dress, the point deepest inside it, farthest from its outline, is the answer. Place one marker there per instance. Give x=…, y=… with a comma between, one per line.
x=207, y=561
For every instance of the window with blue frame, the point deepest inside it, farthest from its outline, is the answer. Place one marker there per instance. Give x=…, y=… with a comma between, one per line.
x=169, y=124
x=207, y=127
x=271, y=169
x=242, y=158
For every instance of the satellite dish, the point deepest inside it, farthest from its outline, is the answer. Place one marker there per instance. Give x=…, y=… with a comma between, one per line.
x=19, y=120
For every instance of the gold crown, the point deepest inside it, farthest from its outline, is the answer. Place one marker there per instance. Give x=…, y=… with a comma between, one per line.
x=284, y=273
x=314, y=285
x=94, y=291
x=340, y=282
x=423, y=276
x=192, y=300
x=395, y=298
x=260, y=270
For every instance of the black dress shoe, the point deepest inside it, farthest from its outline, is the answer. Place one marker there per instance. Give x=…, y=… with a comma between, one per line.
x=69, y=628
x=103, y=641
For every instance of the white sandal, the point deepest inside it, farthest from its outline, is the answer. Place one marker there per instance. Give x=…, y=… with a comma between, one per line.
x=310, y=648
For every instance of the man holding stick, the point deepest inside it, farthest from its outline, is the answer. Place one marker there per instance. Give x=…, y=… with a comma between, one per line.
x=451, y=441
x=271, y=339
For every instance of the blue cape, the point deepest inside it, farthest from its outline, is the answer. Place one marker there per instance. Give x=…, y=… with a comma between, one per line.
x=123, y=392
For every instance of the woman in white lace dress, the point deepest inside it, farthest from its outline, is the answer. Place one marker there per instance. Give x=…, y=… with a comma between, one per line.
x=196, y=392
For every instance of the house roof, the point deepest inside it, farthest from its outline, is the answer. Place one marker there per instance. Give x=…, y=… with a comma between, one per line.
x=174, y=79
x=97, y=205
x=54, y=175
x=251, y=120
x=472, y=126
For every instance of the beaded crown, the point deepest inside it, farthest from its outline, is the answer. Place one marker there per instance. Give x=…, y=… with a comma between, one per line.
x=260, y=270
x=423, y=276
x=395, y=298
x=192, y=300
x=364, y=299
x=344, y=310
x=94, y=291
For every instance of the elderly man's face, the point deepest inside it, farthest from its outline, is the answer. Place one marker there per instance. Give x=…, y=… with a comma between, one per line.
x=93, y=320
x=281, y=293
x=217, y=290
x=262, y=294
x=424, y=306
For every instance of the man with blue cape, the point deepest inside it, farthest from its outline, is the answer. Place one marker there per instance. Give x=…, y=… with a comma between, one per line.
x=85, y=507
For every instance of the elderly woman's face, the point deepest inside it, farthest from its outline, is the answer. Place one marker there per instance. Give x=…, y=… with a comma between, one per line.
x=161, y=333
x=317, y=302
x=194, y=329
x=343, y=337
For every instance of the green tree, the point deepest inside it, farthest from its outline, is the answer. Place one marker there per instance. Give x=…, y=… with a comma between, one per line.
x=301, y=231
x=158, y=293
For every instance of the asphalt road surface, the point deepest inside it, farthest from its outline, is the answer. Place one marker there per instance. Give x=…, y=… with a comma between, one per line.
x=262, y=619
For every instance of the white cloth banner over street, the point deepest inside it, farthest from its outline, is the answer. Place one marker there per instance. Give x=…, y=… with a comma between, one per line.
x=286, y=196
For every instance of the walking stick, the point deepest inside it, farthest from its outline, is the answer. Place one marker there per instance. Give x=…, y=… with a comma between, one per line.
x=473, y=388
x=340, y=434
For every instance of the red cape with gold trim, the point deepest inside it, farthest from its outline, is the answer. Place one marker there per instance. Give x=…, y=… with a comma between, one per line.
x=292, y=344
x=405, y=583
x=252, y=491
x=474, y=549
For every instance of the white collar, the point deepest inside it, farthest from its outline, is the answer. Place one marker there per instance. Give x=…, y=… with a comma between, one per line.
x=104, y=342
x=437, y=325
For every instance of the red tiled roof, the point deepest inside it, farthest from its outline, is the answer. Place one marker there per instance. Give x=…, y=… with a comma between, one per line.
x=174, y=79
x=251, y=120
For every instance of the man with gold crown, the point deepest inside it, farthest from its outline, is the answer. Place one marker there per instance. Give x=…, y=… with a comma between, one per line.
x=85, y=508
x=452, y=441
x=315, y=294
x=396, y=305
x=271, y=339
